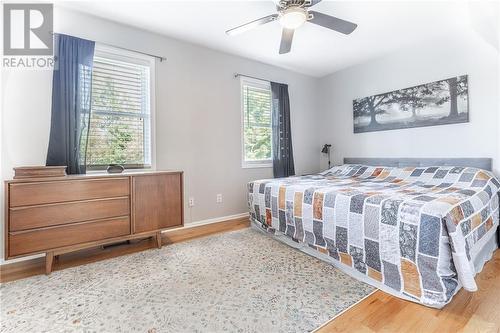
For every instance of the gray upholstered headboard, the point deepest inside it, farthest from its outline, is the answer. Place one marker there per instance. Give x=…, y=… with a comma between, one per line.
x=482, y=163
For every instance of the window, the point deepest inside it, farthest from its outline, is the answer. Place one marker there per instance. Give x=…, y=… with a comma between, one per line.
x=121, y=110
x=256, y=123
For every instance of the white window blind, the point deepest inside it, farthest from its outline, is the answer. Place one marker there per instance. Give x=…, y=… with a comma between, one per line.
x=257, y=131
x=120, y=122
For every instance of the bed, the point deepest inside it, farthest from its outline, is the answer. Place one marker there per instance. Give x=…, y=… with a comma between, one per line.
x=417, y=229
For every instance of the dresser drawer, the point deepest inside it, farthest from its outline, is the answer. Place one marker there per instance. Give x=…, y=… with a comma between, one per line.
x=25, y=194
x=39, y=240
x=29, y=217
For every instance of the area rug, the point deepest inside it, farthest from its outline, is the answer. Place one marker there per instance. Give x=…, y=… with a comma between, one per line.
x=241, y=281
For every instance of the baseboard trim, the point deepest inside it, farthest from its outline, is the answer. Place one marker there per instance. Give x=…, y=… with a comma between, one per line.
x=11, y=271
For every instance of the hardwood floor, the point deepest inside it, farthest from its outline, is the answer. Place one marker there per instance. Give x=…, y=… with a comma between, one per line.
x=380, y=312
x=467, y=312
x=23, y=269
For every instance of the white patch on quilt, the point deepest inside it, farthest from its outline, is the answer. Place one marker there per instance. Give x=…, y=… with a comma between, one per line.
x=433, y=207
x=476, y=203
x=389, y=243
x=307, y=211
x=356, y=230
x=444, y=259
x=275, y=190
x=451, y=177
x=329, y=222
x=289, y=193
x=342, y=210
x=307, y=224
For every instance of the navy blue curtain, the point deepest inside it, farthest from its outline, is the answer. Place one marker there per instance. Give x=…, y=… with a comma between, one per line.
x=282, y=134
x=71, y=90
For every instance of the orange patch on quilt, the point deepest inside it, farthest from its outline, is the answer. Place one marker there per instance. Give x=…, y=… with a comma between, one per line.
x=269, y=217
x=318, y=206
x=482, y=176
x=345, y=259
x=374, y=274
x=450, y=200
x=411, y=278
x=489, y=223
x=384, y=174
x=282, y=197
x=457, y=214
x=476, y=221
x=377, y=172
x=297, y=204
x=397, y=181
x=322, y=250
x=409, y=169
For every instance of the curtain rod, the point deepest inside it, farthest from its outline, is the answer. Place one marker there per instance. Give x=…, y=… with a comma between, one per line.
x=251, y=77
x=161, y=58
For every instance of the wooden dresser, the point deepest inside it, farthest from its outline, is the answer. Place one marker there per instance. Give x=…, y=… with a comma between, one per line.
x=65, y=214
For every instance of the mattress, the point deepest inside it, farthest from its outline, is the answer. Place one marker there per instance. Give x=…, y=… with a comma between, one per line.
x=419, y=233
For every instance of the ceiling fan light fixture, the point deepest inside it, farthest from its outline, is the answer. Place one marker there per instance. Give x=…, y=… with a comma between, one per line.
x=293, y=18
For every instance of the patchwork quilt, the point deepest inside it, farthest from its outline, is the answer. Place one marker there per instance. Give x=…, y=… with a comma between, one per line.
x=413, y=230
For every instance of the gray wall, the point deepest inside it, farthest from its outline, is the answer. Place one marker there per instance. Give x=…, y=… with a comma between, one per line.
x=198, y=124
x=464, y=52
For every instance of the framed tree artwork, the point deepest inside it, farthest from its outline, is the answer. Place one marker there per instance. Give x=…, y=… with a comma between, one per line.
x=436, y=103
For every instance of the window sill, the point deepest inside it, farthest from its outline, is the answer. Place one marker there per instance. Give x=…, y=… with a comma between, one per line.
x=256, y=165
x=128, y=171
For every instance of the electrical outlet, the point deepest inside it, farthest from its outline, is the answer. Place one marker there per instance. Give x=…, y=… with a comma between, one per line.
x=191, y=201
x=219, y=198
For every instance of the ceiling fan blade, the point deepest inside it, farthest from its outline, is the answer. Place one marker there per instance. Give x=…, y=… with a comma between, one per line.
x=251, y=25
x=332, y=22
x=286, y=40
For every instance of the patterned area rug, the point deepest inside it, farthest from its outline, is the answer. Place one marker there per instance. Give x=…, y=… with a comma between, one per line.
x=241, y=281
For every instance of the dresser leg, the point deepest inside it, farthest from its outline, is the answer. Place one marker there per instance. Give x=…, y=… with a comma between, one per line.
x=49, y=259
x=158, y=239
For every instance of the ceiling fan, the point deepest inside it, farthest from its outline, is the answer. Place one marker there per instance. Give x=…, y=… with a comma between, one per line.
x=292, y=14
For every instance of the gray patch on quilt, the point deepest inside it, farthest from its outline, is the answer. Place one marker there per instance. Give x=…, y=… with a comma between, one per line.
x=467, y=208
x=444, y=185
x=341, y=239
x=357, y=257
x=371, y=221
x=467, y=192
x=257, y=212
x=408, y=240
x=318, y=233
x=282, y=220
x=357, y=203
x=262, y=188
x=417, y=172
x=308, y=196
x=290, y=231
x=372, y=253
x=376, y=199
x=390, y=211
x=433, y=297
x=299, y=229
x=485, y=213
x=274, y=206
x=267, y=197
x=478, y=183
x=428, y=270
x=431, y=170
x=487, y=189
x=466, y=227
x=330, y=199
x=466, y=177
x=332, y=249
x=250, y=187
x=451, y=285
x=309, y=238
x=391, y=275
x=481, y=231
x=430, y=227
x=289, y=212
x=484, y=197
x=440, y=174
x=457, y=170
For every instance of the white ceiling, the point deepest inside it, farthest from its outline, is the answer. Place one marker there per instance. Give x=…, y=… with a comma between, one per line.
x=383, y=27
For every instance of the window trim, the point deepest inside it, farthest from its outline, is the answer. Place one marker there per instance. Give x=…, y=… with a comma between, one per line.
x=250, y=164
x=119, y=54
